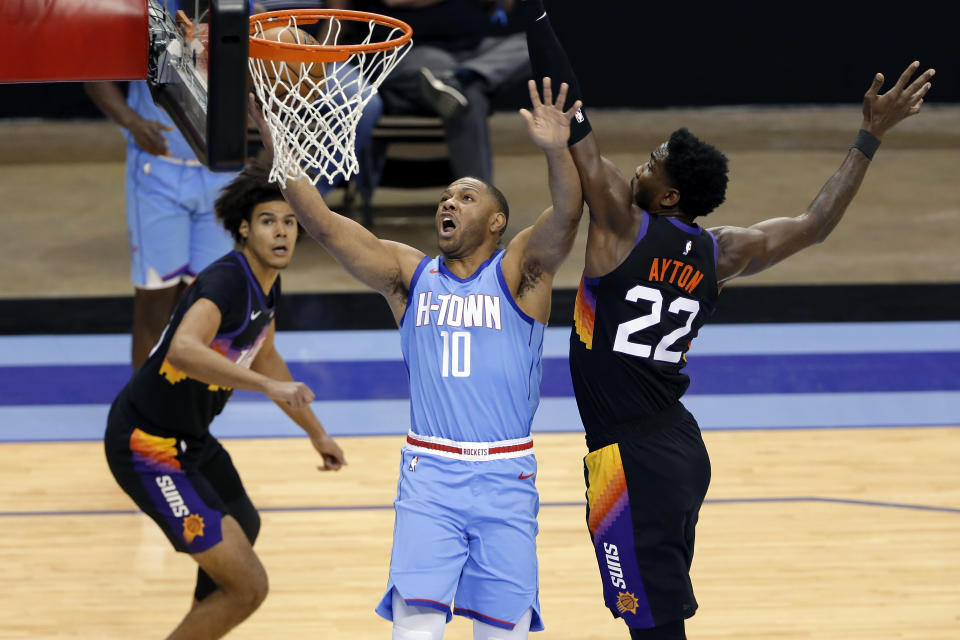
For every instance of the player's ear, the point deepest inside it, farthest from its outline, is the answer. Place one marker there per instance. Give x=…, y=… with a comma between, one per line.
x=244, y=229
x=498, y=222
x=669, y=198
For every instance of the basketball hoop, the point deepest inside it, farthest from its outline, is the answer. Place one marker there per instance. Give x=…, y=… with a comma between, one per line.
x=312, y=92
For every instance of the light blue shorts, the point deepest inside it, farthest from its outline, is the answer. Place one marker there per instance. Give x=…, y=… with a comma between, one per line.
x=465, y=534
x=173, y=232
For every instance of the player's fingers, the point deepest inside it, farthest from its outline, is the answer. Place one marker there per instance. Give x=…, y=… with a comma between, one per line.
x=561, y=96
x=874, y=86
x=547, y=91
x=569, y=113
x=921, y=81
x=534, y=95
x=527, y=116
x=907, y=73
x=922, y=91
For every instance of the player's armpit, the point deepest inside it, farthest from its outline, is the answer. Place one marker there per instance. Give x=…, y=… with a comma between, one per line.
x=744, y=252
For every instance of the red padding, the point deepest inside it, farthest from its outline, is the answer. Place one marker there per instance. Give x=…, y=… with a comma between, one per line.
x=71, y=40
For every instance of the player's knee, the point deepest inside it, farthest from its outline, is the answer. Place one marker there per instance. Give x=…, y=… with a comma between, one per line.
x=416, y=623
x=253, y=591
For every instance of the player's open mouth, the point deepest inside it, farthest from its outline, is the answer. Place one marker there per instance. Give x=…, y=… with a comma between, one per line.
x=280, y=251
x=447, y=224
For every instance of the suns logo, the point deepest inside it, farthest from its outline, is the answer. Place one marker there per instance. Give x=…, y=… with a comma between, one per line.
x=627, y=602
x=192, y=527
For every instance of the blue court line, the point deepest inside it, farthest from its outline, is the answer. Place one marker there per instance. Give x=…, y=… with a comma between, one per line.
x=338, y=346
x=387, y=379
x=389, y=507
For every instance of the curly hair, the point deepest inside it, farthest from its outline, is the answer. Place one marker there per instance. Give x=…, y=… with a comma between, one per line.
x=238, y=199
x=698, y=171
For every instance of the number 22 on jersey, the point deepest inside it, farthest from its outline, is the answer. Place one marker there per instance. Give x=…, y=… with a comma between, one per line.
x=662, y=351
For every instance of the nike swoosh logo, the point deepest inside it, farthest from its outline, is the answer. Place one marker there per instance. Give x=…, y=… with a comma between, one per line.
x=434, y=271
x=524, y=477
x=255, y=314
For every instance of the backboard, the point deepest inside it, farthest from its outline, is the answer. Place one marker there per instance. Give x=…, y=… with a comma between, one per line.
x=197, y=71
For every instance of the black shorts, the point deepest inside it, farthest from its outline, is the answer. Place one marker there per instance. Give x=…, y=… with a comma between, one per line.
x=182, y=482
x=643, y=500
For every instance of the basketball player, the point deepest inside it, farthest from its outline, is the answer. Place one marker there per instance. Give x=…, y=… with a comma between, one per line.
x=158, y=441
x=652, y=275
x=471, y=325
x=171, y=226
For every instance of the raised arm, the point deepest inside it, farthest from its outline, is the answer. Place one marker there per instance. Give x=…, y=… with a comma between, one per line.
x=271, y=364
x=382, y=265
x=605, y=189
x=743, y=252
x=536, y=253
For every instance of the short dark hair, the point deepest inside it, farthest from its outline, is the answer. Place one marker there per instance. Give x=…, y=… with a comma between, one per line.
x=698, y=171
x=501, y=201
x=238, y=199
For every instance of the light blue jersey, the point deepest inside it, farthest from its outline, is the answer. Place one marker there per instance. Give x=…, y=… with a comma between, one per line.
x=472, y=355
x=465, y=533
x=140, y=100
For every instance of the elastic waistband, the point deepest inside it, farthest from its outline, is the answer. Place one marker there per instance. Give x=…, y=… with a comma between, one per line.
x=186, y=162
x=666, y=418
x=475, y=451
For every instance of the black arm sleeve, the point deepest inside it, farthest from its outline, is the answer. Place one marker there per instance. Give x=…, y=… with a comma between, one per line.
x=548, y=59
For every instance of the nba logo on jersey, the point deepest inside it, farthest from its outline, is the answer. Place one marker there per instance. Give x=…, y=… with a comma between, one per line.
x=578, y=115
x=414, y=463
x=688, y=247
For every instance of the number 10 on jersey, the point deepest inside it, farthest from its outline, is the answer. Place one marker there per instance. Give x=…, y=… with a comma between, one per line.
x=456, y=354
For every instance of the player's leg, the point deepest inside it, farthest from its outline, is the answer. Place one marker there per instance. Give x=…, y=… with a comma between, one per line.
x=158, y=229
x=499, y=583
x=669, y=631
x=241, y=586
x=411, y=622
x=429, y=541
x=217, y=467
x=159, y=473
x=643, y=495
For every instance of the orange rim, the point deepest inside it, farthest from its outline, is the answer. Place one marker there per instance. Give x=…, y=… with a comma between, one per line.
x=292, y=52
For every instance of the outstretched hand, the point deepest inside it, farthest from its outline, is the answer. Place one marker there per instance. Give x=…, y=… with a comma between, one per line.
x=882, y=112
x=549, y=124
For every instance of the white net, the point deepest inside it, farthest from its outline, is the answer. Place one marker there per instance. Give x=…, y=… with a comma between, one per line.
x=313, y=108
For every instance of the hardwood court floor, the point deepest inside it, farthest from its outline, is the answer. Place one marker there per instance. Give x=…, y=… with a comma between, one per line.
x=807, y=534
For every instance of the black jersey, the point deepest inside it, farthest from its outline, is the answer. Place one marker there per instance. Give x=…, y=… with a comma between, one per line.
x=164, y=396
x=633, y=327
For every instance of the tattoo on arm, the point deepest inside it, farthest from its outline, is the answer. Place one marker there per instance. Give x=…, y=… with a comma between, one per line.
x=832, y=201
